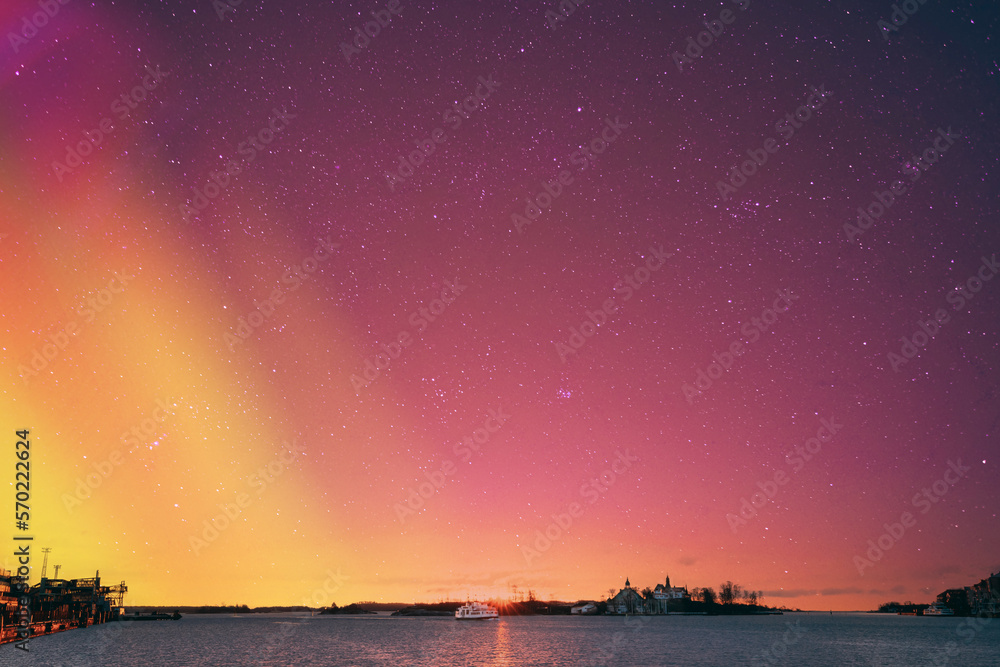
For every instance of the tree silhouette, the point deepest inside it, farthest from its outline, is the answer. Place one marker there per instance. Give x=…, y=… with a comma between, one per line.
x=726, y=593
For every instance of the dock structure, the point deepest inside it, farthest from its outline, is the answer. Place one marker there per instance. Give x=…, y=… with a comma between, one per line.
x=55, y=605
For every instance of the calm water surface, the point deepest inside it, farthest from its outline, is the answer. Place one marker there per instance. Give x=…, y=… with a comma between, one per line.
x=288, y=640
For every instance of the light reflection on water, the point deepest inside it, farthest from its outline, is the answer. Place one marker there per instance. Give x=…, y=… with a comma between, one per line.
x=287, y=640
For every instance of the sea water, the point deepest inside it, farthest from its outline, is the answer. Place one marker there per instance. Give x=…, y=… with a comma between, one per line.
x=286, y=640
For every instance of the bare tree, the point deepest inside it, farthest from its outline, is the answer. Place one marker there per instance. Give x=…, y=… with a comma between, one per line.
x=726, y=593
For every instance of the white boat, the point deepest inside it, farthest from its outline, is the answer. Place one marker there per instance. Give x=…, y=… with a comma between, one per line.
x=475, y=611
x=938, y=609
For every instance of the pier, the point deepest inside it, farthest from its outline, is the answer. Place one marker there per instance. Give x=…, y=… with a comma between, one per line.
x=55, y=605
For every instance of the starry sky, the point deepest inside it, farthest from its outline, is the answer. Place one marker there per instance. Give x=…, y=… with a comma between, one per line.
x=502, y=294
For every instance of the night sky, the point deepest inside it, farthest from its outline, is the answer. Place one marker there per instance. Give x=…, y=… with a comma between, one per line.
x=503, y=295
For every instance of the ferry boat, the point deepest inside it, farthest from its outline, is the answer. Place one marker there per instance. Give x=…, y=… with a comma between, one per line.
x=475, y=611
x=938, y=609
